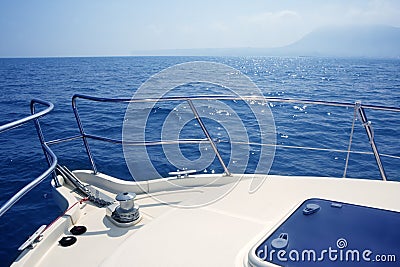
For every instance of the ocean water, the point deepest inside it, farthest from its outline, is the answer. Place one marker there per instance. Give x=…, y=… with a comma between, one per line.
x=372, y=81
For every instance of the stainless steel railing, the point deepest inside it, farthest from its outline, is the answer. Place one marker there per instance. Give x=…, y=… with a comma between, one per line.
x=52, y=159
x=193, y=108
x=50, y=156
x=359, y=109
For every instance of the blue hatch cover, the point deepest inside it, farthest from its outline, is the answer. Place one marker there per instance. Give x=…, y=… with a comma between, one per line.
x=327, y=233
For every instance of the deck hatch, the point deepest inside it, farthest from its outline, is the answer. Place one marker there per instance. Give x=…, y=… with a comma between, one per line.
x=336, y=232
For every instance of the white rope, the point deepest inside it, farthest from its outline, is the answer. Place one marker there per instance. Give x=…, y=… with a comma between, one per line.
x=356, y=107
x=309, y=148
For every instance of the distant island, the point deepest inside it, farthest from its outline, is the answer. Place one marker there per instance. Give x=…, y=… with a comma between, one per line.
x=371, y=41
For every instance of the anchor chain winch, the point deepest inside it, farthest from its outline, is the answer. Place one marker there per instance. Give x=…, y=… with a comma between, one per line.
x=126, y=213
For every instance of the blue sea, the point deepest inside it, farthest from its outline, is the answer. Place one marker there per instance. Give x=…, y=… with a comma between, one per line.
x=372, y=81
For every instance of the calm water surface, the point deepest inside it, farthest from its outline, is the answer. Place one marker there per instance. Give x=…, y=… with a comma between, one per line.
x=58, y=79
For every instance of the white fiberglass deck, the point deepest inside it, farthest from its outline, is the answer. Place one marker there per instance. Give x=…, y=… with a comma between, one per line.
x=217, y=234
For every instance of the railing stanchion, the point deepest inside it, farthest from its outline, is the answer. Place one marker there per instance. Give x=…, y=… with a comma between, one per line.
x=85, y=142
x=43, y=143
x=203, y=127
x=370, y=133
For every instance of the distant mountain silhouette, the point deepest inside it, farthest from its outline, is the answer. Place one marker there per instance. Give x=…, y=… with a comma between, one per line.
x=372, y=41
x=350, y=41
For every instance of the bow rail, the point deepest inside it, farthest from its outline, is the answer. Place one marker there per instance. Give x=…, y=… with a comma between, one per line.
x=50, y=156
x=358, y=109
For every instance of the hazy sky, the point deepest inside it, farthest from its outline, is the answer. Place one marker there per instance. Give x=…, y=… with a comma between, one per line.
x=119, y=27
